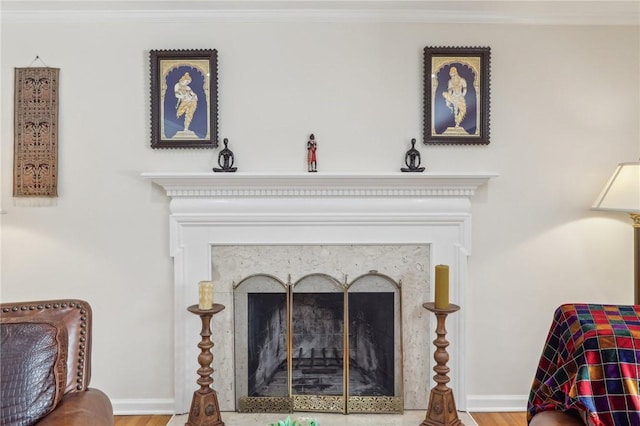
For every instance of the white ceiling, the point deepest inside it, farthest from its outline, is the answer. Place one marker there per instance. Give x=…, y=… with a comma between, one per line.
x=578, y=12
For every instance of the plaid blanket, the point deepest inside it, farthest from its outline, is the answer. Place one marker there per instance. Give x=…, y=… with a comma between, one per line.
x=591, y=363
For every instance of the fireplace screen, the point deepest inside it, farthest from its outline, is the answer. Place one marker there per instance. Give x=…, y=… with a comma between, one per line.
x=318, y=344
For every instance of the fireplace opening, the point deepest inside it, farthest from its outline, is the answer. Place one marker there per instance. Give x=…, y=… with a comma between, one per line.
x=318, y=336
x=267, y=351
x=371, y=343
x=319, y=344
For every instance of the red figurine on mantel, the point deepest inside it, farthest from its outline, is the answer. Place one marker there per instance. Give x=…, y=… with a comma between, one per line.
x=312, y=146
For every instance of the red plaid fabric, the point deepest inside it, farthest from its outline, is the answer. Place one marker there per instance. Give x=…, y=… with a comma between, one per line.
x=590, y=363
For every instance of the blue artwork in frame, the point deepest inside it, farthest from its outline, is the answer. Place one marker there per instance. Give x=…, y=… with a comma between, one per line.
x=184, y=99
x=456, y=95
x=186, y=95
x=451, y=110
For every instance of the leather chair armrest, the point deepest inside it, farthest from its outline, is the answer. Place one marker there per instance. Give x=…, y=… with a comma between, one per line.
x=90, y=407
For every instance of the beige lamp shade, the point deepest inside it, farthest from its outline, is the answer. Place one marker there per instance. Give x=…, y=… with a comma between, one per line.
x=622, y=191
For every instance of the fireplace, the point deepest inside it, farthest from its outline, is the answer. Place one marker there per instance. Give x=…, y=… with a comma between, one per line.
x=327, y=334
x=211, y=213
x=321, y=346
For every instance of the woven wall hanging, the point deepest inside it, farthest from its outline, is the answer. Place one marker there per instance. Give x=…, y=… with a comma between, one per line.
x=35, y=167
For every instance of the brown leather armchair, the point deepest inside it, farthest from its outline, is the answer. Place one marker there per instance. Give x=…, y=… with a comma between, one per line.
x=46, y=365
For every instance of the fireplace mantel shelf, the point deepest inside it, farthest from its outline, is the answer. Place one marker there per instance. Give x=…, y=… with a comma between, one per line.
x=318, y=184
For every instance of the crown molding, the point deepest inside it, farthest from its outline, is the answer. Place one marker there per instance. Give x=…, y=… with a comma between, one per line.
x=549, y=12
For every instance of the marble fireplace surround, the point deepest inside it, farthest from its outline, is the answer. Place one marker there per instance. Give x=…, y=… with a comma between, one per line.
x=253, y=209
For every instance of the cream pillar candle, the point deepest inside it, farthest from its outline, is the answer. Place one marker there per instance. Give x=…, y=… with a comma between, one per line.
x=442, y=287
x=205, y=294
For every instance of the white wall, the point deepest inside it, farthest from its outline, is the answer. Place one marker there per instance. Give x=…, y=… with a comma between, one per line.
x=565, y=108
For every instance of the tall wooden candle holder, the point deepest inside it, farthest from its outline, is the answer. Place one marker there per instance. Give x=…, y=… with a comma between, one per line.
x=442, y=406
x=204, y=405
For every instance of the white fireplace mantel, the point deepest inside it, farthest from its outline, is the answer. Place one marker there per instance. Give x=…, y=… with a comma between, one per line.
x=210, y=210
x=319, y=184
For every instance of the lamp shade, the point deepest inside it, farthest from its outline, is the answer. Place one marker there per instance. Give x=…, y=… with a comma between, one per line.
x=622, y=191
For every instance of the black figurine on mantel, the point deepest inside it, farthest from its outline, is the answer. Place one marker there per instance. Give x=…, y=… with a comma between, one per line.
x=225, y=159
x=412, y=159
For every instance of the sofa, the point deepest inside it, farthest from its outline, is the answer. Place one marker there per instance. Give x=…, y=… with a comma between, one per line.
x=45, y=349
x=589, y=368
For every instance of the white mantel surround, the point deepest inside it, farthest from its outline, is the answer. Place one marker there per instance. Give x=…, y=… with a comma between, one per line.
x=209, y=209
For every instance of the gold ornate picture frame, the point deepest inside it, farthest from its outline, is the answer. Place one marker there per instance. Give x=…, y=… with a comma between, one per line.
x=456, y=95
x=184, y=98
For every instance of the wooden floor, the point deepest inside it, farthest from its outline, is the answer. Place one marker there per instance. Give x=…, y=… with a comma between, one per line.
x=142, y=420
x=483, y=419
x=500, y=419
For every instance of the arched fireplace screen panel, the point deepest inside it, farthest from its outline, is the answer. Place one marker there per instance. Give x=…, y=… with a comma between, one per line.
x=318, y=344
x=261, y=340
x=375, y=345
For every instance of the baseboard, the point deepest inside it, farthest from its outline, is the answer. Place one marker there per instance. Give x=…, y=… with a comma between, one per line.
x=126, y=407
x=496, y=403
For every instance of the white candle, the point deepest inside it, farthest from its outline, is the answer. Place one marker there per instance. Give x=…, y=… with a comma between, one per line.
x=205, y=294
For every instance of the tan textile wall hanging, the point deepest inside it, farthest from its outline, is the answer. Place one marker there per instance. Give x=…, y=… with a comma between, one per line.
x=35, y=167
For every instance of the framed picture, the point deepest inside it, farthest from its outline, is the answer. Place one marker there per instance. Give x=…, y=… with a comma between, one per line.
x=456, y=95
x=184, y=98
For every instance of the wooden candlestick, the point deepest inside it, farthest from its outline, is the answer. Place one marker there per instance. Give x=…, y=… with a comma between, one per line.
x=442, y=406
x=204, y=405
